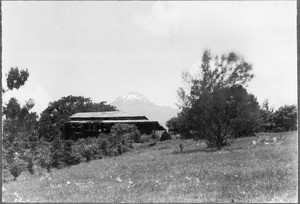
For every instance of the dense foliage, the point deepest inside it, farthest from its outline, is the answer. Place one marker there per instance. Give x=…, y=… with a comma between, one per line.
x=15, y=78
x=59, y=153
x=19, y=134
x=131, y=132
x=283, y=119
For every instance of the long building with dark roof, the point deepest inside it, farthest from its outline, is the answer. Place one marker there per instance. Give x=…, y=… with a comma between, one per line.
x=90, y=124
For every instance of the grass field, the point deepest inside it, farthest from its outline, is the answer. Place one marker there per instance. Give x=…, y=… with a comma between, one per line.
x=245, y=171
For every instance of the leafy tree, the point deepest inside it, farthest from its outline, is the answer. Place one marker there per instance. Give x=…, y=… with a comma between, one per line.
x=286, y=118
x=267, y=115
x=216, y=97
x=15, y=78
x=58, y=112
x=20, y=135
x=181, y=124
x=19, y=127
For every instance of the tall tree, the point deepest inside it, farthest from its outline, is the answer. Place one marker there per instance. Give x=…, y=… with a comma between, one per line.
x=20, y=136
x=58, y=112
x=216, y=96
x=15, y=78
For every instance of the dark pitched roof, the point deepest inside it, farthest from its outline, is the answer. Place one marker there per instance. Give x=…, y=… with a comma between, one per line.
x=108, y=115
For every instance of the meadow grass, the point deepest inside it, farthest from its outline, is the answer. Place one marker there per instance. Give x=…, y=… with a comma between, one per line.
x=241, y=172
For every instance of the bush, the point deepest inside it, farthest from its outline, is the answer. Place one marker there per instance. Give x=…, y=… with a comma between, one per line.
x=56, y=153
x=279, y=129
x=16, y=167
x=44, y=155
x=156, y=135
x=286, y=118
x=129, y=132
x=68, y=156
x=103, y=145
x=165, y=136
x=28, y=158
x=90, y=148
x=146, y=138
x=243, y=128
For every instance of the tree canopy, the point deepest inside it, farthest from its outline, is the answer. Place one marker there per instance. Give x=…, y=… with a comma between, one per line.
x=15, y=78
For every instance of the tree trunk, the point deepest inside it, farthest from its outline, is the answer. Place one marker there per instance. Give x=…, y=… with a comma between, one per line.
x=219, y=145
x=219, y=142
x=48, y=168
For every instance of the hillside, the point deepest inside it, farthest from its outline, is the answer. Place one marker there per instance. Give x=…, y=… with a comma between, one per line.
x=135, y=103
x=245, y=171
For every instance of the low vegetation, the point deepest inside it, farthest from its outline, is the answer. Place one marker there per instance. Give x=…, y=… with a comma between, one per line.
x=251, y=169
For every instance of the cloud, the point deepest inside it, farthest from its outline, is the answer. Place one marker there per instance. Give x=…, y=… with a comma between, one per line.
x=32, y=90
x=214, y=18
x=163, y=18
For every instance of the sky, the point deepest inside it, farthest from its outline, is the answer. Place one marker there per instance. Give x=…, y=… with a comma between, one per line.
x=105, y=49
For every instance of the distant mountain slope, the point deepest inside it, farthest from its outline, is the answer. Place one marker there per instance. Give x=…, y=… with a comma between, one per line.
x=136, y=103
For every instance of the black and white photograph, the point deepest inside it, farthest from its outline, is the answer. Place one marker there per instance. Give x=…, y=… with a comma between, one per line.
x=149, y=101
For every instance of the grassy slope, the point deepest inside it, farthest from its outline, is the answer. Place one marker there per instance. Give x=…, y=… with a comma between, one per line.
x=242, y=172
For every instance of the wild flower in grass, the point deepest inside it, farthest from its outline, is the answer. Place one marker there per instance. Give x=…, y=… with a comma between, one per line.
x=18, y=198
x=130, y=182
x=90, y=183
x=118, y=179
x=68, y=182
x=188, y=178
x=56, y=186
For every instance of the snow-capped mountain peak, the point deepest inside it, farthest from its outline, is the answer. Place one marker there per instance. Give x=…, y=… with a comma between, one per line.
x=133, y=96
x=136, y=103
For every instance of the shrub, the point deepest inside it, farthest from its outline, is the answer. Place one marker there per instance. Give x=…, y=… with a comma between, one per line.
x=146, y=138
x=286, y=118
x=156, y=135
x=279, y=129
x=16, y=167
x=104, y=145
x=165, y=136
x=68, y=156
x=56, y=153
x=129, y=132
x=44, y=156
x=87, y=149
x=243, y=127
x=28, y=158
